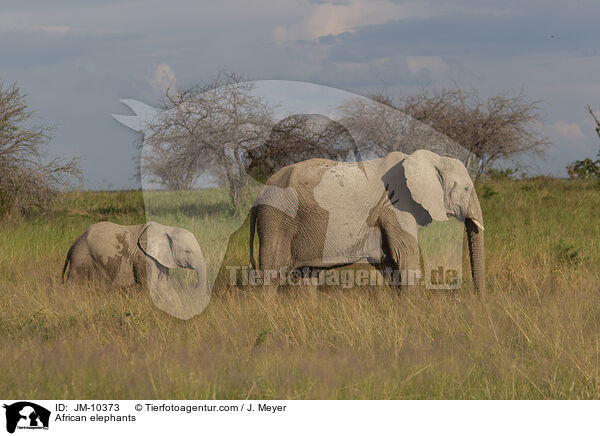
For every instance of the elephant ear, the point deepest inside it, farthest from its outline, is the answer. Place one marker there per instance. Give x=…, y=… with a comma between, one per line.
x=425, y=185
x=156, y=243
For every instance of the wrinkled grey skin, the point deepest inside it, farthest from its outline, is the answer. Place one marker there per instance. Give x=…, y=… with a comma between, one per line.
x=321, y=213
x=121, y=256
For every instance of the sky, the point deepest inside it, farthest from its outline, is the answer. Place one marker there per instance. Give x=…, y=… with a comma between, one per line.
x=76, y=59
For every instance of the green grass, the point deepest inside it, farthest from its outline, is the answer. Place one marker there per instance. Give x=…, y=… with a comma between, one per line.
x=537, y=335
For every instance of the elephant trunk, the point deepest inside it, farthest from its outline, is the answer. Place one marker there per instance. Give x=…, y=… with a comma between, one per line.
x=474, y=227
x=177, y=299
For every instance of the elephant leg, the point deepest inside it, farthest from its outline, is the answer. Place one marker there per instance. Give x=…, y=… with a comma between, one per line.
x=401, y=254
x=385, y=268
x=274, y=255
x=81, y=274
x=83, y=269
x=274, y=230
x=73, y=271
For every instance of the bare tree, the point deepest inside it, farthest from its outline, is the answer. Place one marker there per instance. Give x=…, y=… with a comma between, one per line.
x=28, y=181
x=204, y=131
x=380, y=128
x=454, y=122
x=595, y=119
x=502, y=126
x=297, y=138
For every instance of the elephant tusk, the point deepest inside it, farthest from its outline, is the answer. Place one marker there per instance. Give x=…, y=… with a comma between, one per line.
x=477, y=223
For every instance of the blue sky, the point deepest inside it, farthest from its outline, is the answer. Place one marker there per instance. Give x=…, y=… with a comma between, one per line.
x=77, y=58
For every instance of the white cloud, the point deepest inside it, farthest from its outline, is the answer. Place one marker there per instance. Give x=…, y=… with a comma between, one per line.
x=335, y=18
x=570, y=131
x=435, y=64
x=577, y=137
x=162, y=78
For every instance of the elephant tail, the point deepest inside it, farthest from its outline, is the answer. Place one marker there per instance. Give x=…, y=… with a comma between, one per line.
x=67, y=262
x=252, y=227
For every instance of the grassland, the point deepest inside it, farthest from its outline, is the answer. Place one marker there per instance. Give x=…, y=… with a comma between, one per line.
x=537, y=335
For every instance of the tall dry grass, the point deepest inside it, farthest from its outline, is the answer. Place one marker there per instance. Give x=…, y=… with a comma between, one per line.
x=535, y=336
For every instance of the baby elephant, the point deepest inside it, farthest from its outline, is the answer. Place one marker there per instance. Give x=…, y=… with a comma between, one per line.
x=122, y=256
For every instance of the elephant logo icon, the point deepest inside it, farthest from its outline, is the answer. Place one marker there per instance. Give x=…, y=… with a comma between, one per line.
x=26, y=415
x=425, y=191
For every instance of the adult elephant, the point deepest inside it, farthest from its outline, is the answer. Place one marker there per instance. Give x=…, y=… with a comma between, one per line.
x=321, y=214
x=122, y=256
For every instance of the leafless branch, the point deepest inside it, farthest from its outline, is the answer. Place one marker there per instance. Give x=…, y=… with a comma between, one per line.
x=595, y=119
x=297, y=138
x=28, y=181
x=204, y=131
x=454, y=122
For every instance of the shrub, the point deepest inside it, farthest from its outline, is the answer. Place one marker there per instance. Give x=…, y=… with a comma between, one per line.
x=585, y=169
x=496, y=174
x=28, y=180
